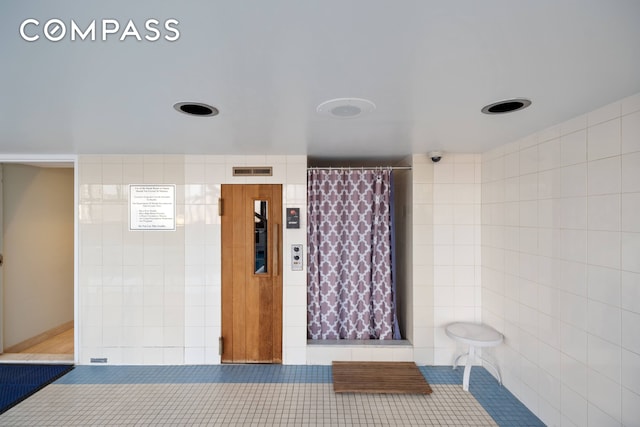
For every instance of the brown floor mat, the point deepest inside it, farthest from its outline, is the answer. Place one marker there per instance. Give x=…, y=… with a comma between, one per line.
x=379, y=377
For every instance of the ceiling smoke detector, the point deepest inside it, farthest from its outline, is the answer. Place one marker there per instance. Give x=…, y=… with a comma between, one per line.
x=196, y=109
x=346, y=108
x=506, y=106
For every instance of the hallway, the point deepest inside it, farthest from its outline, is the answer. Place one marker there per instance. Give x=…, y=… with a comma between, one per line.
x=58, y=348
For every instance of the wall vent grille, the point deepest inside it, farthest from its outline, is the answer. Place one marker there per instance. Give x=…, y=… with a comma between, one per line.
x=252, y=171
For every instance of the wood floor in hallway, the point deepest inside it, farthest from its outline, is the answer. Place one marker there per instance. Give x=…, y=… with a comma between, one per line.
x=59, y=344
x=58, y=348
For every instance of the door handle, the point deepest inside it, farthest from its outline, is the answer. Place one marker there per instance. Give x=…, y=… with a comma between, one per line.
x=276, y=249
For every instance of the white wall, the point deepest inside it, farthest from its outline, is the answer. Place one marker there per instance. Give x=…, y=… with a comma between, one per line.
x=38, y=253
x=446, y=248
x=561, y=266
x=153, y=297
x=422, y=241
x=456, y=239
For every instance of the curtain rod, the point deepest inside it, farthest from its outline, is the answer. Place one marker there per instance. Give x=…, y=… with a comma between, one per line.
x=403, y=168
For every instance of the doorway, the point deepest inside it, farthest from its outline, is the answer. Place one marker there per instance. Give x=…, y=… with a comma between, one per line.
x=251, y=219
x=37, y=236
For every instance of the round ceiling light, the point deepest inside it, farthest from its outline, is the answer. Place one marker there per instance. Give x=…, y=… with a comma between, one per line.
x=346, y=108
x=506, y=106
x=196, y=109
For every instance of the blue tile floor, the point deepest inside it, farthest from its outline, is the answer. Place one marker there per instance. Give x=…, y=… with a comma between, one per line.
x=260, y=395
x=503, y=406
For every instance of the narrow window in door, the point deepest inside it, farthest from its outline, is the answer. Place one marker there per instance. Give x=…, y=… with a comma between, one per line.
x=261, y=236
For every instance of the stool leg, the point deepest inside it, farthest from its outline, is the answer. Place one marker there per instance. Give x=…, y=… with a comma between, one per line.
x=467, y=368
x=455, y=362
x=495, y=369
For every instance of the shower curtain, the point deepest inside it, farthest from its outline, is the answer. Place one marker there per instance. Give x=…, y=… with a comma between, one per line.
x=350, y=278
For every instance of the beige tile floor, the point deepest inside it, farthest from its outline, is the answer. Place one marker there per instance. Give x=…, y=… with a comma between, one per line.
x=129, y=401
x=257, y=404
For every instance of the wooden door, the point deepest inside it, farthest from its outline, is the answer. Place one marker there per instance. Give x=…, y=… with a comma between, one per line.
x=251, y=273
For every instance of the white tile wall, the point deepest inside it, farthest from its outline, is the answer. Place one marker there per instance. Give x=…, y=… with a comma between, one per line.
x=424, y=217
x=570, y=310
x=154, y=297
x=456, y=247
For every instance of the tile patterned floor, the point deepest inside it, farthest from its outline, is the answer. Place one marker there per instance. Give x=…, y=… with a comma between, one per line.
x=259, y=395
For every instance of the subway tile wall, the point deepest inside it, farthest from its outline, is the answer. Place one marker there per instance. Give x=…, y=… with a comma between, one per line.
x=561, y=266
x=446, y=248
x=422, y=250
x=456, y=243
x=153, y=297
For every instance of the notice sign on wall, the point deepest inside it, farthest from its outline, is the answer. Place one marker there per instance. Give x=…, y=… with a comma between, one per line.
x=152, y=207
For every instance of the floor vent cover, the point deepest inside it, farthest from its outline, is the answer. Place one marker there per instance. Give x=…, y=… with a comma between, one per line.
x=252, y=171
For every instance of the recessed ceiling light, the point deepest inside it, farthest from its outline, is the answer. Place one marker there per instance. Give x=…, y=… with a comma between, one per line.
x=506, y=106
x=196, y=109
x=346, y=108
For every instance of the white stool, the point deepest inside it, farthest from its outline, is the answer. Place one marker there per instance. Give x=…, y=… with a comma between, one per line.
x=474, y=335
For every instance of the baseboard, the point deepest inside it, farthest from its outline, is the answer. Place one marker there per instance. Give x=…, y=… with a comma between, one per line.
x=17, y=348
x=327, y=351
x=361, y=343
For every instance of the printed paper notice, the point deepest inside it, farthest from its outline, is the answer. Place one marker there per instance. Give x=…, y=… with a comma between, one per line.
x=152, y=207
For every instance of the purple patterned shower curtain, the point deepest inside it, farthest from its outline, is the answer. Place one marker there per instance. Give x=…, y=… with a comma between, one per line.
x=350, y=292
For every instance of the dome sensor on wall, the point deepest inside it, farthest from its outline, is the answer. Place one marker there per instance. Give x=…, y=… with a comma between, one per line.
x=506, y=106
x=435, y=156
x=196, y=109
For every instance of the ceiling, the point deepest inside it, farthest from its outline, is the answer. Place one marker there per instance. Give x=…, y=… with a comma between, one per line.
x=429, y=67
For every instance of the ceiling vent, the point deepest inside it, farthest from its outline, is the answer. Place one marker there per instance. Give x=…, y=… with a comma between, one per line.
x=506, y=106
x=196, y=109
x=252, y=171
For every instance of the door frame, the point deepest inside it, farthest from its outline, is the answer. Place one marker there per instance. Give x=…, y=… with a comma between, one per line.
x=53, y=158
